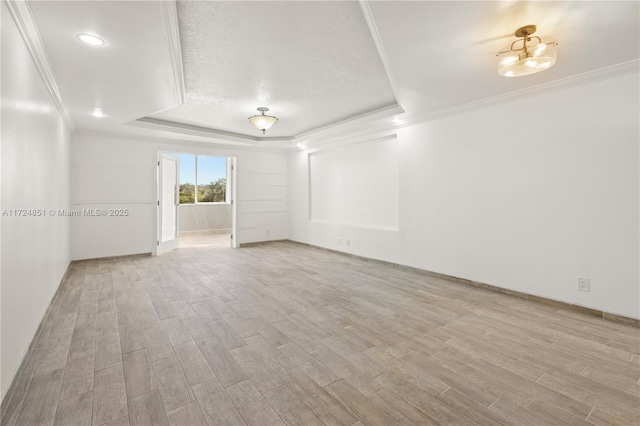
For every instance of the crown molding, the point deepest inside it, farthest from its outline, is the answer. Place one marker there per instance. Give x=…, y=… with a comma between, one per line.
x=375, y=34
x=192, y=130
x=378, y=136
x=26, y=24
x=189, y=146
x=356, y=135
x=175, y=51
x=331, y=130
x=369, y=124
x=529, y=92
x=342, y=125
x=384, y=128
x=207, y=132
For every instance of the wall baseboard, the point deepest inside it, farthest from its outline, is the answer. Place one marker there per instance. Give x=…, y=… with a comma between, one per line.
x=258, y=243
x=620, y=319
x=112, y=258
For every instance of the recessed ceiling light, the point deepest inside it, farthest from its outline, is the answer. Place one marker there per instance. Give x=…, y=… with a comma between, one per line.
x=97, y=112
x=91, y=39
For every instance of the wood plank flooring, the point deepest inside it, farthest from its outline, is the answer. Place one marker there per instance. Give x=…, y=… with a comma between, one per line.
x=283, y=333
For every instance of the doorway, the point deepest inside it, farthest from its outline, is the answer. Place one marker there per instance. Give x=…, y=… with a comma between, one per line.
x=168, y=170
x=196, y=201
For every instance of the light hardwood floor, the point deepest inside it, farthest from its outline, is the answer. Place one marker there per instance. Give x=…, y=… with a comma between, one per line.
x=282, y=333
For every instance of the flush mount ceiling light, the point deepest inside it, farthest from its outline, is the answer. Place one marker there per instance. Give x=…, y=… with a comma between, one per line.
x=527, y=55
x=261, y=121
x=91, y=39
x=97, y=113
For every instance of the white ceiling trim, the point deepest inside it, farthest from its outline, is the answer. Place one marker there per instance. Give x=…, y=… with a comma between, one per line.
x=528, y=92
x=319, y=133
x=365, y=125
x=187, y=144
x=171, y=20
x=363, y=133
x=386, y=136
x=23, y=18
x=189, y=129
x=360, y=119
x=369, y=125
x=373, y=29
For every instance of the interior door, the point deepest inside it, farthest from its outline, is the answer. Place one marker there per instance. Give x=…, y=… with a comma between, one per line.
x=168, y=201
x=232, y=199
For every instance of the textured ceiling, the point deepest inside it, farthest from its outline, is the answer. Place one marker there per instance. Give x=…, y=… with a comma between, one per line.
x=311, y=63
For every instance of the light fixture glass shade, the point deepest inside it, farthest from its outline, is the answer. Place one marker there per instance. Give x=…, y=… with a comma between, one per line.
x=527, y=56
x=263, y=122
x=91, y=39
x=97, y=112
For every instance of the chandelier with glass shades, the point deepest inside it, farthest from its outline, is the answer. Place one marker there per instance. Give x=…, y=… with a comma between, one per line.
x=527, y=55
x=262, y=121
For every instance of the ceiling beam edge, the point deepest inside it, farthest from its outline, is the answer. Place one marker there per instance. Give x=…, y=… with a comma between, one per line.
x=384, y=129
x=347, y=124
x=369, y=124
x=375, y=35
x=175, y=51
x=529, y=92
x=187, y=129
x=215, y=135
x=26, y=24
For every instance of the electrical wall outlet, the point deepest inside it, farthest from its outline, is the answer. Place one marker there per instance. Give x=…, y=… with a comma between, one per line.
x=347, y=243
x=267, y=232
x=338, y=240
x=584, y=284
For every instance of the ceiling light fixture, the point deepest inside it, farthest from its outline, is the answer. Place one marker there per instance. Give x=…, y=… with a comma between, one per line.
x=91, y=39
x=261, y=121
x=534, y=55
x=97, y=113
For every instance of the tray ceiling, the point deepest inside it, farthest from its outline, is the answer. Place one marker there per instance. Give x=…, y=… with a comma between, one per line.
x=129, y=77
x=311, y=63
x=443, y=53
x=316, y=64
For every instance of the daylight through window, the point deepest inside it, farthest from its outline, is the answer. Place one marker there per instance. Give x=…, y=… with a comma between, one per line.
x=203, y=179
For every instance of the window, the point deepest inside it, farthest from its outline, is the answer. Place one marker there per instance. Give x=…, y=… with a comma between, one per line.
x=211, y=179
x=187, y=178
x=203, y=179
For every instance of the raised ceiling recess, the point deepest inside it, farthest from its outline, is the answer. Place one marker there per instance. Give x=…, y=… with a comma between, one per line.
x=443, y=53
x=129, y=75
x=313, y=64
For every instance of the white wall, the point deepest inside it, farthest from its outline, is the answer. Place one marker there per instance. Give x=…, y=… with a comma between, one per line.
x=356, y=185
x=35, y=175
x=525, y=195
x=261, y=192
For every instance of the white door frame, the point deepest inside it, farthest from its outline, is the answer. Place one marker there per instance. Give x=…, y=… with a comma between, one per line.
x=231, y=165
x=166, y=246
